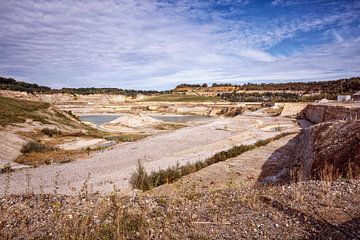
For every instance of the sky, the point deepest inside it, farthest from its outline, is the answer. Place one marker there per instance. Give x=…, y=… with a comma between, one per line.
x=158, y=44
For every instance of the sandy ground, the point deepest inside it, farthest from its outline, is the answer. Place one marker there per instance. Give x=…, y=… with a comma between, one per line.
x=112, y=168
x=82, y=143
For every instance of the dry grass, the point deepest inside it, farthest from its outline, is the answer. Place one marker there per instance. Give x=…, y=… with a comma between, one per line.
x=124, y=137
x=17, y=111
x=246, y=213
x=49, y=157
x=169, y=126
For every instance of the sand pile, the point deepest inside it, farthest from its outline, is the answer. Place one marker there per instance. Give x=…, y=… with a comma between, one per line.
x=134, y=121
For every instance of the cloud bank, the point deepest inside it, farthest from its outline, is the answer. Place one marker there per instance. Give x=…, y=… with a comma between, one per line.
x=158, y=44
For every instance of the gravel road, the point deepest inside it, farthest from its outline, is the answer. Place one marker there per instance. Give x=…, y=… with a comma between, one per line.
x=113, y=167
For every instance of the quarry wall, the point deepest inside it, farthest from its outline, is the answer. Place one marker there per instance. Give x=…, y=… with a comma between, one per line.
x=331, y=147
x=318, y=113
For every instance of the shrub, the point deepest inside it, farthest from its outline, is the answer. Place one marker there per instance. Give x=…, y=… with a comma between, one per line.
x=51, y=132
x=140, y=178
x=35, y=147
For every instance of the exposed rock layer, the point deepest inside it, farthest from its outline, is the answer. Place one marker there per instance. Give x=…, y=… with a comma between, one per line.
x=329, y=150
x=324, y=113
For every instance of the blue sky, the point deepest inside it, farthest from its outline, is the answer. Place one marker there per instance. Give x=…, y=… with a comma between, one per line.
x=157, y=44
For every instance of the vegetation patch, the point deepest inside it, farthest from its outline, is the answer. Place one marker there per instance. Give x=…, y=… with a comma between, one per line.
x=169, y=126
x=13, y=85
x=182, y=98
x=144, y=181
x=51, y=132
x=297, y=211
x=17, y=111
x=32, y=146
x=36, y=153
x=49, y=157
x=125, y=138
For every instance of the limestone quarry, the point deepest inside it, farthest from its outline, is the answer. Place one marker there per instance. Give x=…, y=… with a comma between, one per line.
x=312, y=141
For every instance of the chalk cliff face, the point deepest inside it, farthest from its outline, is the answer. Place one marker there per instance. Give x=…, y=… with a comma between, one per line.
x=330, y=148
x=78, y=104
x=325, y=113
x=65, y=98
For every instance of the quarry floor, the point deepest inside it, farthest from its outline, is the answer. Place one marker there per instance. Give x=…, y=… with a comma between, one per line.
x=105, y=170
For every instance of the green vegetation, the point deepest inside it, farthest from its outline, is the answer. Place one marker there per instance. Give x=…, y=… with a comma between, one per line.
x=124, y=137
x=350, y=85
x=303, y=91
x=144, y=181
x=182, y=98
x=17, y=111
x=260, y=97
x=274, y=97
x=345, y=86
x=32, y=146
x=12, y=84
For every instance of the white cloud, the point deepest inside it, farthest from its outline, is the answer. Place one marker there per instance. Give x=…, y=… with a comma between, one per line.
x=152, y=44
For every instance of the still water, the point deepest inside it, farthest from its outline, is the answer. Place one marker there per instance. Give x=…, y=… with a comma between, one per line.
x=98, y=119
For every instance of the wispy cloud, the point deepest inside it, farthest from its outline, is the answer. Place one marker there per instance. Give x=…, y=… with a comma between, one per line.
x=158, y=44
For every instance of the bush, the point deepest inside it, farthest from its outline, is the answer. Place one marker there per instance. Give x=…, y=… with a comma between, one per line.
x=140, y=178
x=35, y=147
x=51, y=132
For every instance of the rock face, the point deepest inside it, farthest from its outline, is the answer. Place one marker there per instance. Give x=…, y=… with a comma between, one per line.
x=329, y=150
x=63, y=99
x=292, y=109
x=324, y=113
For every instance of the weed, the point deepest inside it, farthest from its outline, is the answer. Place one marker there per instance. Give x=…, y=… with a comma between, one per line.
x=140, y=178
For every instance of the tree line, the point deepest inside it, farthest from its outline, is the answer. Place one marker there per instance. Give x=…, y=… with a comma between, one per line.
x=14, y=85
x=341, y=86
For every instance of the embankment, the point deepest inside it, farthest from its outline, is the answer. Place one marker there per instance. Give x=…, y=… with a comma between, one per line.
x=331, y=147
x=318, y=113
x=328, y=150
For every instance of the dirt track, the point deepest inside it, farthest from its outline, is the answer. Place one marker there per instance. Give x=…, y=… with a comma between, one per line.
x=112, y=168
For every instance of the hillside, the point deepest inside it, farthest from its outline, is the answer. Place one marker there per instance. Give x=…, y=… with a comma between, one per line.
x=39, y=125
